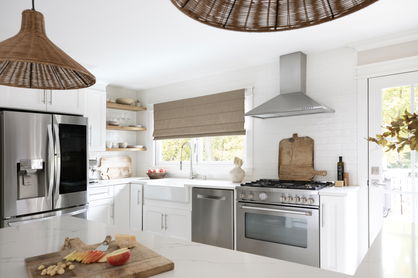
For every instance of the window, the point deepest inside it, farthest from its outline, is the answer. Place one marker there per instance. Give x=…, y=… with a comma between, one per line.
x=207, y=149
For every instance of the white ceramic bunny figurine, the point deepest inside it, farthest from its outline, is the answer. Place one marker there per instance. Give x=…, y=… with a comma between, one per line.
x=237, y=173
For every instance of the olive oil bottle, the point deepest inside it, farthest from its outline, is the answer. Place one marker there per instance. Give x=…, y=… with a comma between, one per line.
x=340, y=169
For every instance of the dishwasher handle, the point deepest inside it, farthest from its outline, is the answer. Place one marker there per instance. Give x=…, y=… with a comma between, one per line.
x=211, y=197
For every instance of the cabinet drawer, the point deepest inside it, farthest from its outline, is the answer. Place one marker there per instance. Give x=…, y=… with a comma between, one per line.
x=99, y=193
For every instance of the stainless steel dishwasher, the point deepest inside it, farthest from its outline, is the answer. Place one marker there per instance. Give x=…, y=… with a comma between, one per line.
x=213, y=217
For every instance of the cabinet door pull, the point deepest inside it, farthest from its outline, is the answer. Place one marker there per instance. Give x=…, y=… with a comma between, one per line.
x=44, y=98
x=138, y=197
x=166, y=226
x=323, y=216
x=50, y=97
x=162, y=221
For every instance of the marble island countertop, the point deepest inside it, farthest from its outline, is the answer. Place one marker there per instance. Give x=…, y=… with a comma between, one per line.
x=191, y=259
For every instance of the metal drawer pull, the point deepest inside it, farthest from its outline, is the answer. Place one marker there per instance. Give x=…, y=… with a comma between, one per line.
x=307, y=213
x=208, y=197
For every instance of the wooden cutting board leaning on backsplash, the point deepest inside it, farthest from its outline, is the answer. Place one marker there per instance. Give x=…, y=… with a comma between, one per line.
x=115, y=167
x=296, y=159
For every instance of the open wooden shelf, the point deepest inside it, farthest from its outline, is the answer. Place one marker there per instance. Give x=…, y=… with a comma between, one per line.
x=126, y=149
x=114, y=105
x=125, y=128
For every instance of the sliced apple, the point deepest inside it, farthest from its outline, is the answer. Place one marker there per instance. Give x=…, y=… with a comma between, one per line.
x=119, y=258
x=104, y=258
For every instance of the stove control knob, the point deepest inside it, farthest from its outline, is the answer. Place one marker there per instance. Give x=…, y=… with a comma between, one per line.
x=250, y=196
x=242, y=196
x=290, y=199
x=297, y=199
x=304, y=200
x=283, y=199
x=311, y=201
x=262, y=196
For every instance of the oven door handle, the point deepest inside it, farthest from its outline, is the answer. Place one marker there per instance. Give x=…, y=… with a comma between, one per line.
x=306, y=213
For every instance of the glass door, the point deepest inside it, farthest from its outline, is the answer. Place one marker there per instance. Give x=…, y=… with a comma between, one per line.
x=392, y=175
x=71, y=161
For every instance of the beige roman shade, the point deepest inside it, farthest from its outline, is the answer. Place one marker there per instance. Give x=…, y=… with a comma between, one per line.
x=212, y=115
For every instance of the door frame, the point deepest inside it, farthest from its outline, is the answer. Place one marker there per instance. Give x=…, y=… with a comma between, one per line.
x=363, y=75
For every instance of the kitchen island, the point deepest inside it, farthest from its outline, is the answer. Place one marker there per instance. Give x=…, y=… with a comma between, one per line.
x=191, y=259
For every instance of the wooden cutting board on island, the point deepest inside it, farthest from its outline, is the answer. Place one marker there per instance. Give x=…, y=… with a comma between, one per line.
x=296, y=159
x=143, y=263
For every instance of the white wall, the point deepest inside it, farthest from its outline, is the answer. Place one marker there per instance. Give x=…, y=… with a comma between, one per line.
x=330, y=80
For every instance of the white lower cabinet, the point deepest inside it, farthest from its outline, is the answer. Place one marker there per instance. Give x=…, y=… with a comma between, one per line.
x=168, y=221
x=339, y=230
x=101, y=211
x=153, y=218
x=136, y=206
x=119, y=205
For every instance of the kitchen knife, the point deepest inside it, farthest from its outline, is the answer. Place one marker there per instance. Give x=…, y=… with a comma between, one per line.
x=105, y=244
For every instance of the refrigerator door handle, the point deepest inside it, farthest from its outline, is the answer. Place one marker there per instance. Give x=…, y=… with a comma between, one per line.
x=57, y=163
x=51, y=162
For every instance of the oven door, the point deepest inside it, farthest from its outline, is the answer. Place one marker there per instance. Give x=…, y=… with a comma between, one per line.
x=71, y=175
x=286, y=233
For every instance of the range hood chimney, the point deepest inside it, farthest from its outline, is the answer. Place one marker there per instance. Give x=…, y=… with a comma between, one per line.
x=292, y=100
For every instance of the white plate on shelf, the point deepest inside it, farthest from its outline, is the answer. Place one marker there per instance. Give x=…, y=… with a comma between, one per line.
x=125, y=100
x=113, y=123
x=136, y=146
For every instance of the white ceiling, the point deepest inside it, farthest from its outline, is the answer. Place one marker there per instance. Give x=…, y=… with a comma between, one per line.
x=148, y=43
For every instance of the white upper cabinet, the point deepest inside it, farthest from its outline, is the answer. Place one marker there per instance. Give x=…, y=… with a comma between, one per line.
x=66, y=101
x=21, y=98
x=96, y=113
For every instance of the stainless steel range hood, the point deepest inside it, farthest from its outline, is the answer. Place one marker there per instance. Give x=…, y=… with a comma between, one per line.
x=292, y=100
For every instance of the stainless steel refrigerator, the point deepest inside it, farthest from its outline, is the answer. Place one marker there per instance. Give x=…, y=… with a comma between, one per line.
x=43, y=166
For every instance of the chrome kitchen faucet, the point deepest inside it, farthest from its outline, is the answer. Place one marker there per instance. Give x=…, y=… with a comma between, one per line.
x=192, y=175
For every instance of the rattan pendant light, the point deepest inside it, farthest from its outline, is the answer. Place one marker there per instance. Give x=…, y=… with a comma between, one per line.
x=31, y=60
x=267, y=15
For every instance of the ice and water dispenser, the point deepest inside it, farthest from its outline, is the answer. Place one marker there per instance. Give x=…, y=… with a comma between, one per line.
x=31, y=178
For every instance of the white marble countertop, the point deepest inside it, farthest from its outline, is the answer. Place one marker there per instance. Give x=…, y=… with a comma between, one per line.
x=338, y=191
x=179, y=182
x=389, y=257
x=190, y=259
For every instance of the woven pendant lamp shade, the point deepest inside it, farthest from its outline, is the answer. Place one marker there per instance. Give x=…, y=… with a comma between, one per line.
x=267, y=15
x=31, y=60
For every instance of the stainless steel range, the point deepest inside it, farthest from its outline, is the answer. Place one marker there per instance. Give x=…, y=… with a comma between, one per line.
x=280, y=219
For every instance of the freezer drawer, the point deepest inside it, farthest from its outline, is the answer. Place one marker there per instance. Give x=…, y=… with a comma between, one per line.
x=213, y=217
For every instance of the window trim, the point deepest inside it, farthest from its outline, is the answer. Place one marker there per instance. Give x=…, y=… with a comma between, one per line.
x=248, y=145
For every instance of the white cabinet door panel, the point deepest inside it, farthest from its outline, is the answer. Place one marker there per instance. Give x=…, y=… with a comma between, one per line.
x=95, y=111
x=136, y=207
x=21, y=98
x=66, y=101
x=121, y=203
x=153, y=219
x=178, y=223
x=101, y=211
